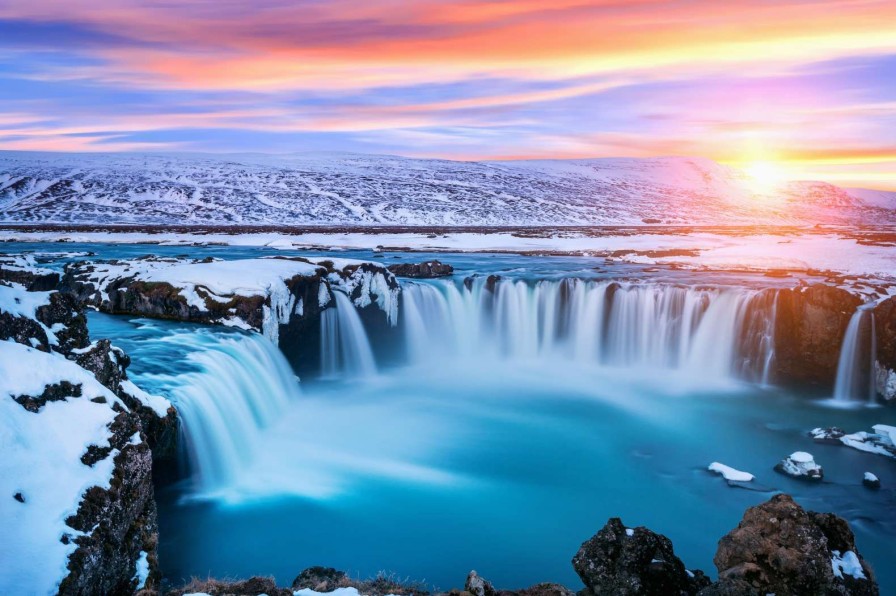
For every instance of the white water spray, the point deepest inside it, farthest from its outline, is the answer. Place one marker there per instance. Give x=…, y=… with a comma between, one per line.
x=710, y=331
x=345, y=349
x=241, y=385
x=855, y=369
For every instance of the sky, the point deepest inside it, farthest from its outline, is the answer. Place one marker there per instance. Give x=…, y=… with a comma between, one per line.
x=790, y=88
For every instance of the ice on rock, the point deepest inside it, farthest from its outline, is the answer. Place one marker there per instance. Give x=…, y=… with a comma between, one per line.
x=800, y=464
x=871, y=480
x=847, y=564
x=881, y=442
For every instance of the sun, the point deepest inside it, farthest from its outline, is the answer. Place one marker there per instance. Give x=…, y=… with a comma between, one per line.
x=765, y=175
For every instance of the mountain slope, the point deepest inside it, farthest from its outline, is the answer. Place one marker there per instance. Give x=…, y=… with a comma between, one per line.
x=159, y=189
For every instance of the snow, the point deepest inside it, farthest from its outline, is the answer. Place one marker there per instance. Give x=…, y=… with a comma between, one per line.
x=801, y=457
x=228, y=190
x=244, y=277
x=871, y=477
x=874, y=198
x=41, y=460
x=795, y=249
x=18, y=302
x=847, y=563
x=886, y=431
x=156, y=403
x=142, y=569
x=730, y=473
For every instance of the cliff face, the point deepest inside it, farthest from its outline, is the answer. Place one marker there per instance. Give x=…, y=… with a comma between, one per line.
x=885, y=328
x=78, y=466
x=809, y=329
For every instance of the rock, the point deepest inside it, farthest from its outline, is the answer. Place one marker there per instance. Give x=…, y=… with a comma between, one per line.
x=425, y=270
x=320, y=579
x=801, y=465
x=479, y=586
x=827, y=436
x=885, y=330
x=780, y=548
x=624, y=561
x=882, y=441
x=810, y=323
x=871, y=481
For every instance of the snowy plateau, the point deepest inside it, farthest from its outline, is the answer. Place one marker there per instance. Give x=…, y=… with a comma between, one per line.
x=354, y=189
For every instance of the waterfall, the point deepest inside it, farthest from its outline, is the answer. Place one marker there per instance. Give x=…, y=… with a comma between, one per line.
x=719, y=332
x=237, y=386
x=345, y=349
x=855, y=369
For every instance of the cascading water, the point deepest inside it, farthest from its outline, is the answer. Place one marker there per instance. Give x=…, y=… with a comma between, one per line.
x=855, y=369
x=717, y=332
x=237, y=386
x=345, y=349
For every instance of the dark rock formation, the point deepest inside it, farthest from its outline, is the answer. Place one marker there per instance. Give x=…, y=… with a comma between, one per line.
x=885, y=329
x=624, y=561
x=780, y=548
x=55, y=392
x=425, y=270
x=117, y=523
x=809, y=329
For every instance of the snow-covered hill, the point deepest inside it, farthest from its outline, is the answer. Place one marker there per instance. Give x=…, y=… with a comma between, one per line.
x=320, y=189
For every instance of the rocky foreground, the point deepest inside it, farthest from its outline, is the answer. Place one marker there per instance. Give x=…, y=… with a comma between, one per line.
x=778, y=548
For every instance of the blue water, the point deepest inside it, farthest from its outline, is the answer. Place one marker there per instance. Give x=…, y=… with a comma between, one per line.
x=505, y=467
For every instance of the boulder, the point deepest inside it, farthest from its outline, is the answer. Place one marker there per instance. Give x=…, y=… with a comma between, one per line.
x=780, y=548
x=424, y=270
x=626, y=561
x=800, y=465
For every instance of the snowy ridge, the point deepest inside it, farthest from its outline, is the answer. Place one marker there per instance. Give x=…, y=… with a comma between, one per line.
x=199, y=189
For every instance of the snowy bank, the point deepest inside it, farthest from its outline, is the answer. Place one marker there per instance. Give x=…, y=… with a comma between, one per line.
x=260, y=294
